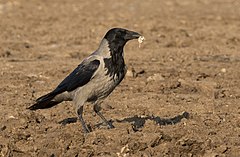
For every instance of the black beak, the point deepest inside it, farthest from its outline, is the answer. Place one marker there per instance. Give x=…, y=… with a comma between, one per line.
x=132, y=35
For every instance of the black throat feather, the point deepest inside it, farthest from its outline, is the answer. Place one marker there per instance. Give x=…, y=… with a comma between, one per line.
x=115, y=64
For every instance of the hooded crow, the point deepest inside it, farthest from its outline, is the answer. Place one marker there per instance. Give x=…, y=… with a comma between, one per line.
x=95, y=78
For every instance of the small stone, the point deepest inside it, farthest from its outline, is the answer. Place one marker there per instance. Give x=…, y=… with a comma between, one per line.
x=11, y=117
x=129, y=73
x=223, y=70
x=155, y=77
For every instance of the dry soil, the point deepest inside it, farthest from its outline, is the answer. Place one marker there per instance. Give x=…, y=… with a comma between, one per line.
x=180, y=97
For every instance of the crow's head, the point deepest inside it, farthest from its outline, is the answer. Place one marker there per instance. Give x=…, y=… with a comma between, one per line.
x=118, y=37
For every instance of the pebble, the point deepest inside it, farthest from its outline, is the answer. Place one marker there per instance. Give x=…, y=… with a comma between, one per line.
x=223, y=70
x=155, y=77
x=129, y=73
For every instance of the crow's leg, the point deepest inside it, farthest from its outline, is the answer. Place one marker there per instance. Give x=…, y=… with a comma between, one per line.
x=97, y=109
x=80, y=112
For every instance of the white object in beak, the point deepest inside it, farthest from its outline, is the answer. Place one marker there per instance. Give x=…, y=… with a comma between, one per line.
x=140, y=40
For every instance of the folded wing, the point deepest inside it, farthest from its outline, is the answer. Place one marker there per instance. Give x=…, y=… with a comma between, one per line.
x=79, y=77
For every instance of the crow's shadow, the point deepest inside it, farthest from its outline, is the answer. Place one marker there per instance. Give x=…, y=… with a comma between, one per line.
x=138, y=122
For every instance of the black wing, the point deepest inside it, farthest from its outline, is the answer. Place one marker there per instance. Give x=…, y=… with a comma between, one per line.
x=79, y=77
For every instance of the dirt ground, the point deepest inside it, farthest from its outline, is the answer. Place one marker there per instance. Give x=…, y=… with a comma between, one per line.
x=180, y=97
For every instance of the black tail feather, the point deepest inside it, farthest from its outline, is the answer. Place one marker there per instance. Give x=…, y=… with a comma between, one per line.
x=43, y=105
x=44, y=102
